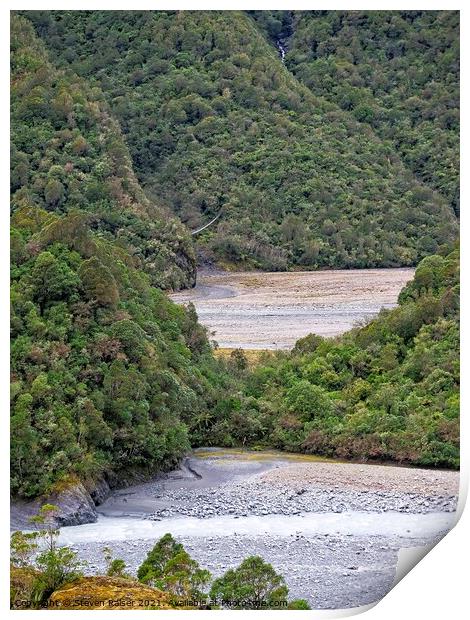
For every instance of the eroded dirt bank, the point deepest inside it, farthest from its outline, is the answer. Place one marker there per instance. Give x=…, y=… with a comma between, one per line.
x=272, y=310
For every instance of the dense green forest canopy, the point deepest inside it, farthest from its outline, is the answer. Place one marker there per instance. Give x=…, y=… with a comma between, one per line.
x=68, y=153
x=105, y=368
x=388, y=390
x=397, y=71
x=122, y=121
x=216, y=123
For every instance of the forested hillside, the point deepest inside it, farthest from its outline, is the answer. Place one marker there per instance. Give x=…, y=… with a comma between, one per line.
x=130, y=128
x=216, y=123
x=105, y=369
x=397, y=71
x=389, y=390
x=68, y=153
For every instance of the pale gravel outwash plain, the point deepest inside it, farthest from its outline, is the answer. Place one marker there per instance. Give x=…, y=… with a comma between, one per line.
x=339, y=564
x=252, y=310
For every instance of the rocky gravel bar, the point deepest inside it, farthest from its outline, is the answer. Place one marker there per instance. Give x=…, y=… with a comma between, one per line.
x=292, y=489
x=338, y=527
x=328, y=570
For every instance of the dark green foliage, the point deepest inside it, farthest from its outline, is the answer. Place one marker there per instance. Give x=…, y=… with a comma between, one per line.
x=57, y=567
x=238, y=359
x=153, y=566
x=117, y=568
x=171, y=569
x=215, y=123
x=308, y=401
x=98, y=282
x=68, y=154
x=253, y=585
x=298, y=603
x=52, y=279
x=389, y=390
x=56, y=564
x=167, y=567
x=183, y=578
x=107, y=372
x=397, y=71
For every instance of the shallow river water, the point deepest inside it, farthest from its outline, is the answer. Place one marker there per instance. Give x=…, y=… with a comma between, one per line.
x=332, y=529
x=347, y=523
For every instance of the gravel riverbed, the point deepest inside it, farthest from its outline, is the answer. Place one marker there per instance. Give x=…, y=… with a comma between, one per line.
x=334, y=530
x=330, y=571
x=263, y=310
x=291, y=492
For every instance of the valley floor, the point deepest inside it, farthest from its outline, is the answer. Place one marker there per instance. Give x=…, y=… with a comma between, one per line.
x=264, y=310
x=332, y=529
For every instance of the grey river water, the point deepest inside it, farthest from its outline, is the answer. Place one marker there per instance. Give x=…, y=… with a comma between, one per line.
x=332, y=529
x=347, y=523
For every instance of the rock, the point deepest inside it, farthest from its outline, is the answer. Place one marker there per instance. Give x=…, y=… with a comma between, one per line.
x=71, y=497
x=99, y=491
x=106, y=593
x=76, y=506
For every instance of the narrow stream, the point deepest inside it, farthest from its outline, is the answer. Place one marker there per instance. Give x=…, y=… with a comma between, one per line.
x=282, y=50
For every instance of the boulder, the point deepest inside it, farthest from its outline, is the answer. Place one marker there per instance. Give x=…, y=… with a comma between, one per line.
x=99, y=491
x=107, y=593
x=76, y=503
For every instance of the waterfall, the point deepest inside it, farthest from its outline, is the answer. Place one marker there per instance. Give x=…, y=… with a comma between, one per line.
x=282, y=49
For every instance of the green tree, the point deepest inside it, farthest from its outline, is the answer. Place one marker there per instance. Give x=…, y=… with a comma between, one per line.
x=298, y=603
x=54, y=193
x=169, y=567
x=52, y=279
x=308, y=401
x=98, y=282
x=115, y=567
x=153, y=566
x=23, y=545
x=239, y=360
x=183, y=578
x=253, y=585
x=57, y=565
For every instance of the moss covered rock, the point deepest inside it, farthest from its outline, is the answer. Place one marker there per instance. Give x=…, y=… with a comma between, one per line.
x=107, y=593
x=22, y=580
